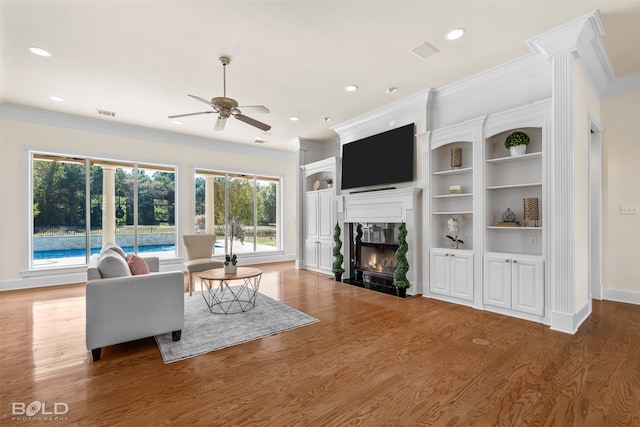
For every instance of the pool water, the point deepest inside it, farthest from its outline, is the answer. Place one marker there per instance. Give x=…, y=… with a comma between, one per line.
x=72, y=253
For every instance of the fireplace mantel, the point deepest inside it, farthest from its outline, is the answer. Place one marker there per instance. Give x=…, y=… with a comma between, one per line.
x=393, y=205
x=401, y=205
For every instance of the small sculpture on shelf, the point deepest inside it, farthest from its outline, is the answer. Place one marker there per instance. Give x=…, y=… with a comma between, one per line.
x=454, y=223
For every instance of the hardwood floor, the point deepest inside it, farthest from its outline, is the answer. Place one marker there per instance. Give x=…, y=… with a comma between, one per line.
x=373, y=359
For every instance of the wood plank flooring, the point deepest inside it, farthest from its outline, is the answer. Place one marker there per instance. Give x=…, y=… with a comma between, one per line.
x=372, y=360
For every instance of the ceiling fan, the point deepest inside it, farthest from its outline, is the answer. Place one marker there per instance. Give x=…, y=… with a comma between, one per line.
x=226, y=107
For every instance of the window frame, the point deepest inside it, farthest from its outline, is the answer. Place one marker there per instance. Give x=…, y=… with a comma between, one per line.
x=254, y=177
x=30, y=154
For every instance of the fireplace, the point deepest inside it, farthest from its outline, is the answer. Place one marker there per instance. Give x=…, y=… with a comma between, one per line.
x=371, y=221
x=374, y=248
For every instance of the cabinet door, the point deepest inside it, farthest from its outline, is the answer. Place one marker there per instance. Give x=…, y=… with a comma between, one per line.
x=311, y=253
x=311, y=206
x=325, y=255
x=325, y=220
x=461, y=276
x=440, y=282
x=528, y=286
x=497, y=281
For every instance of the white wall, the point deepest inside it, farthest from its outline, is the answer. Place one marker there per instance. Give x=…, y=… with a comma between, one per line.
x=621, y=187
x=127, y=143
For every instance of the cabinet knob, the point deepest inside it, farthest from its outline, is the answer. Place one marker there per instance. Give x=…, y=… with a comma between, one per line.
x=507, y=260
x=453, y=254
x=446, y=254
x=515, y=261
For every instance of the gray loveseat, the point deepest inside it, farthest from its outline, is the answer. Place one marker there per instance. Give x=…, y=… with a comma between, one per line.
x=123, y=307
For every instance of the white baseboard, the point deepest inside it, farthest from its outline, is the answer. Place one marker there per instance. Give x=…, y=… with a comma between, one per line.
x=621, y=295
x=72, y=275
x=569, y=323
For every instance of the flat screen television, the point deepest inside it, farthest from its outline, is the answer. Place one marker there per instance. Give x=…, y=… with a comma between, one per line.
x=382, y=159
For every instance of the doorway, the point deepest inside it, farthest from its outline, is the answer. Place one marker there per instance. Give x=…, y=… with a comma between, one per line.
x=595, y=209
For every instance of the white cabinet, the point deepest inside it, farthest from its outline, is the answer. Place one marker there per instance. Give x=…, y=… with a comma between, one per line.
x=319, y=224
x=452, y=273
x=514, y=282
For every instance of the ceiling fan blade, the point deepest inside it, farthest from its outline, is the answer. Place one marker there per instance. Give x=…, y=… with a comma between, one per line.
x=190, y=114
x=254, y=109
x=203, y=100
x=252, y=122
x=220, y=124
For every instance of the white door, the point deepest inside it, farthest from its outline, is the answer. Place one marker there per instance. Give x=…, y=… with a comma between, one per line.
x=311, y=207
x=325, y=220
x=440, y=265
x=528, y=286
x=461, y=276
x=497, y=281
x=311, y=253
x=325, y=255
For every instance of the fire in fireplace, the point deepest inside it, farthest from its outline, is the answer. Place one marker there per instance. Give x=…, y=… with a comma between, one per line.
x=378, y=257
x=373, y=247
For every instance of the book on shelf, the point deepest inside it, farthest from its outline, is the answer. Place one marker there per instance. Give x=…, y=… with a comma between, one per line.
x=509, y=224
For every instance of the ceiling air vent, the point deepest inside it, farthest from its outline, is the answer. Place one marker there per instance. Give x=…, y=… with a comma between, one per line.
x=425, y=50
x=107, y=113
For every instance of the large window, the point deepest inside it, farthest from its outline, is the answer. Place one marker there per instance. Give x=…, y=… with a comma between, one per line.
x=81, y=203
x=240, y=209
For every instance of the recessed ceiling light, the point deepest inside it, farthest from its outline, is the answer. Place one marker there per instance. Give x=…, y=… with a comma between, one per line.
x=390, y=90
x=294, y=118
x=39, y=51
x=56, y=98
x=259, y=140
x=351, y=88
x=455, y=34
x=178, y=122
x=326, y=119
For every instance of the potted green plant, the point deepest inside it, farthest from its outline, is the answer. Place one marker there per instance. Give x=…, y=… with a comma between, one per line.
x=400, y=280
x=337, y=255
x=329, y=182
x=517, y=143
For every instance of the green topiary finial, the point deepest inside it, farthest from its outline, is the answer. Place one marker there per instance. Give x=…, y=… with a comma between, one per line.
x=337, y=245
x=400, y=274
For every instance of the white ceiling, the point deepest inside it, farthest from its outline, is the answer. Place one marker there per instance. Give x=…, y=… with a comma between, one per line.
x=140, y=59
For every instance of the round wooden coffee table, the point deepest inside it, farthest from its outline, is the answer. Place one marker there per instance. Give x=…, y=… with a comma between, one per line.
x=224, y=298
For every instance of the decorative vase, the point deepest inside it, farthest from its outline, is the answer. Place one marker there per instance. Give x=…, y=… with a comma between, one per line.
x=508, y=216
x=453, y=244
x=401, y=292
x=231, y=269
x=338, y=277
x=518, y=150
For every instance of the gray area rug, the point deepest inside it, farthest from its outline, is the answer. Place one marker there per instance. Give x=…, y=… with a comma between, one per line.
x=205, y=331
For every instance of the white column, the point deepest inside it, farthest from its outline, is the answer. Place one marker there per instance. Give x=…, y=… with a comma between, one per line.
x=209, y=206
x=561, y=262
x=108, y=203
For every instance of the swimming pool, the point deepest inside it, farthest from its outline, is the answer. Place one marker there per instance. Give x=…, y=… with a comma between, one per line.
x=74, y=253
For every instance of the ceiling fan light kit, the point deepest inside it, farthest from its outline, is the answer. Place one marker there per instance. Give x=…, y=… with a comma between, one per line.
x=227, y=107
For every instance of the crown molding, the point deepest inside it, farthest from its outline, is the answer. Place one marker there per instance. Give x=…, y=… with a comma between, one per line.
x=623, y=86
x=90, y=124
x=410, y=105
x=583, y=37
